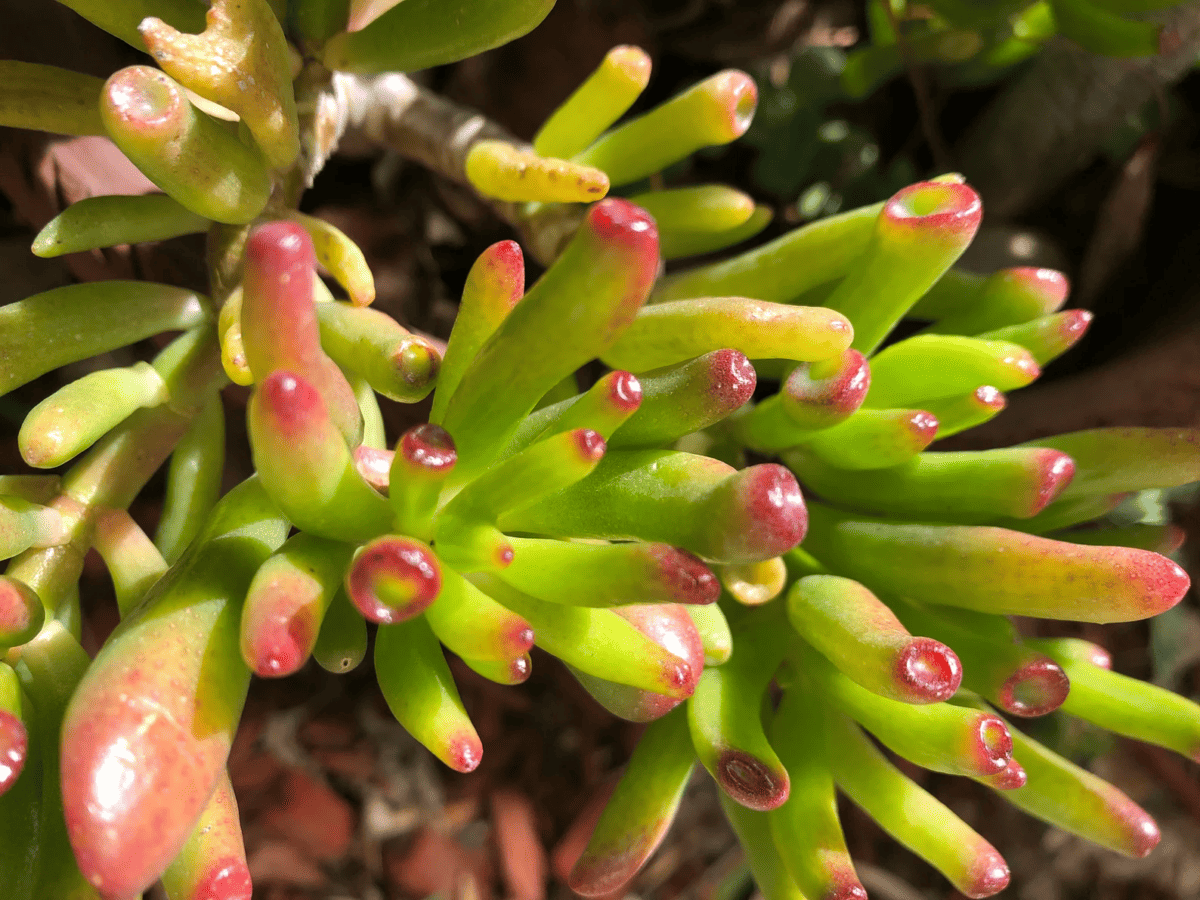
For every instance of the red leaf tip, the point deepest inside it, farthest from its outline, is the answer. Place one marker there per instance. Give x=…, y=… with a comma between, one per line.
x=689, y=579
x=989, y=875
x=772, y=518
x=821, y=394
x=1164, y=582
x=521, y=639
x=1011, y=777
x=1037, y=688
x=17, y=608
x=280, y=648
x=1099, y=657
x=520, y=669
x=145, y=98
x=229, y=879
x=928, y=669
x=590, y=444
x=751, y=782
x=14, y=745
x=990, y=397
x=506, y=265
x=1073, y=325
x=465, y=752
x=280, y=244
x=624, y=392
x=1051, y=285
x=993, y=744
x=393, y=579
x=740, y=96
x=1145, y=833
x=848, y=888
x=1054, y=472
x=614, y=220
x=953, y=209
x=429, y=447
x=923, y=426
x=733, y=379
x=504, y=555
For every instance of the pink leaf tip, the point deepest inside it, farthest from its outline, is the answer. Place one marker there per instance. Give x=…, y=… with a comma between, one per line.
x=393, y=579
x=751, y=782
x=930, y=670
x=14, y=745
x=953, y=210
x=1037, y=688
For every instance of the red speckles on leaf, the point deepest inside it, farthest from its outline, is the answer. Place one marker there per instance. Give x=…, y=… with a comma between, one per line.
x=929, y=669
x=769, y=517
x=129, y=806
x=690, y=580
x=733, y=379
x=1162, y=582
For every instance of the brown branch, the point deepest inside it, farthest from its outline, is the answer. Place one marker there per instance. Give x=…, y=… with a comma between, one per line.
x=392, y=111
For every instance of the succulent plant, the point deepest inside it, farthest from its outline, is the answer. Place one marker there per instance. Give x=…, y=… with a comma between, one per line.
x=892, y=616
x=617, y=527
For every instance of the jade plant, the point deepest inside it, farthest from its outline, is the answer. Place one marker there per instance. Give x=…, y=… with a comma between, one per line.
x=614, y=523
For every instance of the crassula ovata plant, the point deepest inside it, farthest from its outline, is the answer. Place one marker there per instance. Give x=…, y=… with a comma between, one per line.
x=615, y=525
